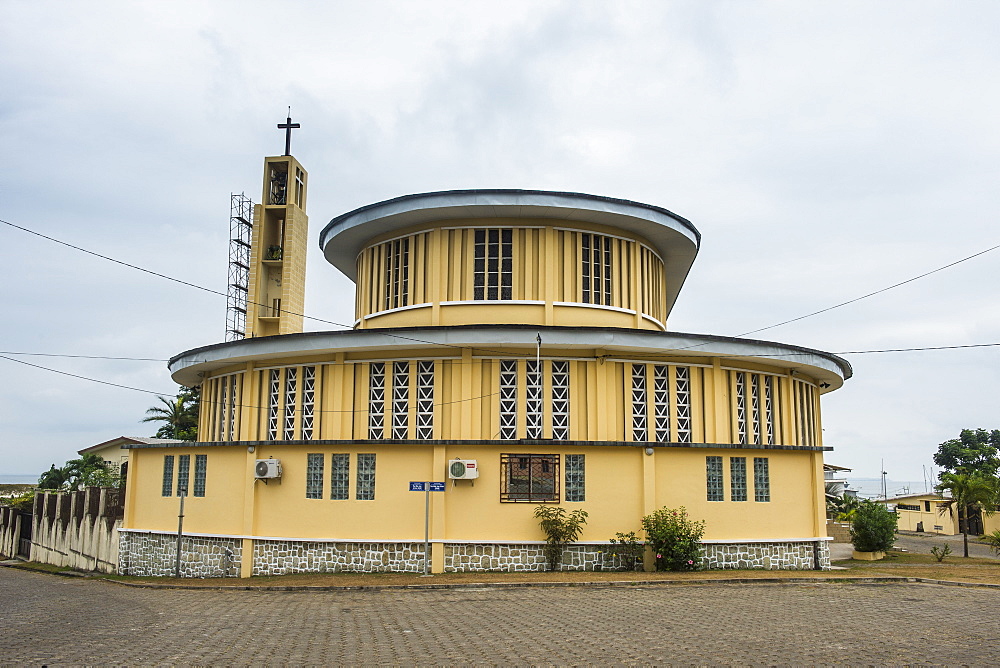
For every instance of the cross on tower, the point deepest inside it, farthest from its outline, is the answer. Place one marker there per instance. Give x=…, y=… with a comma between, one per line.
x=287, y=127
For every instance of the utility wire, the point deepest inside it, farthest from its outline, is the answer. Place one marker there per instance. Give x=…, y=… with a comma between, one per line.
x=73, y=375
x=871, y=294
x=87, y=357
x=415, y=340
x=223, y=294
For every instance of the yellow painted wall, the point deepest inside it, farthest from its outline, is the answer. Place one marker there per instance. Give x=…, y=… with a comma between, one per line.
x=219, y=511
x=622, y=484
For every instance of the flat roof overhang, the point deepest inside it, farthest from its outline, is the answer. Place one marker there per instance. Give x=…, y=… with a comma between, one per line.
x=675, y=238
x=190, y=367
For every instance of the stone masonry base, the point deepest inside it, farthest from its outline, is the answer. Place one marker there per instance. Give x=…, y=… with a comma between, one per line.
x=148, y=554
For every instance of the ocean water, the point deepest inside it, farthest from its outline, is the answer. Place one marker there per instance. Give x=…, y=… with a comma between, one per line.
x=17, y=479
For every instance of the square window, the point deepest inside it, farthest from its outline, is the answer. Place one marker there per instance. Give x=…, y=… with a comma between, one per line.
x=529, y=478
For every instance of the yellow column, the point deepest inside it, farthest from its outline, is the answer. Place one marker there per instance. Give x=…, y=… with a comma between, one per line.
x=549, y=277
x=465, y=392
x=722, y=410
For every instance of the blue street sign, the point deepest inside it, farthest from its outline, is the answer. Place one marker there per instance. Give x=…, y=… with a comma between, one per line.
x=421, y=486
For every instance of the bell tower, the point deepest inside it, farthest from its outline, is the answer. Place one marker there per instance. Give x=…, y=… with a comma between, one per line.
x=278, y=246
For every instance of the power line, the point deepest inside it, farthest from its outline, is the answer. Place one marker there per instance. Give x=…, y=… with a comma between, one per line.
x=86, y=357
x=73, y=375
x=223, y=294
x=415, y=340
x=906, y=350
x=871, y=294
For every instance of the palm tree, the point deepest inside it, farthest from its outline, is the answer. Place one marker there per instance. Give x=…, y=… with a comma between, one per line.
x=78, y=471
x=969, y=494
x=178, y=415
x=53, y=478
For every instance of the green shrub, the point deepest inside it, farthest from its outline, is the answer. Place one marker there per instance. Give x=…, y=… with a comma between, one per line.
x=626, y=552
x=874, y=527
x=675, y=539
x=993, y=540
x=941, y=552
x=561, y=528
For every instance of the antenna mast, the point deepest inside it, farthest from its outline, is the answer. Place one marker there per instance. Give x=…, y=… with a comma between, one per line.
x=240, y=228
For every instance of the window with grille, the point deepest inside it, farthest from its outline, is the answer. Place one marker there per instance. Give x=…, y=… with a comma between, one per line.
x=168, y=475
x=761, y=480
x=754, y=408
x=376, y=401
x=397, y=272
x=769, y=419
x=493, y=265
x=906, y=506
x=682, y=392
x=533, y=404
x=508, y=399
x=200, y=472
x=183, y=474
x=340, y=476
x=713, y=474
x=366, y=478
x=640, y=422
x=741, y=407
x=314, y=475
x=560, y=400
x=738, y=478
x=661, y=402
x=529, y=478
x=596, y=268
x=425, y=399
x=308, y=402
x=234, y=406
x=273, y=399
x=220, y=420
x=400, y=400
x=291, y=388
x=575, y=478
x=806, y=417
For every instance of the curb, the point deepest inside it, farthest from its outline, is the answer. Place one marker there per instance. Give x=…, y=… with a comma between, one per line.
x=888, y=579
x=527, y=585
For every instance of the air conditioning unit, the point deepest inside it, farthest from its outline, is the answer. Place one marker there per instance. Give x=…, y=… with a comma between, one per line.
x=267, y=469
x=463, y=469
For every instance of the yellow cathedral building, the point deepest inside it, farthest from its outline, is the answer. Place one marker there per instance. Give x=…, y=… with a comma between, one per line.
x=512, y=346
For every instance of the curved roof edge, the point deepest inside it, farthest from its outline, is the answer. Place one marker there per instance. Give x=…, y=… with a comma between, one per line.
x=187, y=368
x=675, y=238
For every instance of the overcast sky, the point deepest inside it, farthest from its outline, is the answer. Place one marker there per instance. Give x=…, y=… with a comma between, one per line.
x=824, y=150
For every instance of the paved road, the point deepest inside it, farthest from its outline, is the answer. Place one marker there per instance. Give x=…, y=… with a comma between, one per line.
x=922, y=544
x=54, y=620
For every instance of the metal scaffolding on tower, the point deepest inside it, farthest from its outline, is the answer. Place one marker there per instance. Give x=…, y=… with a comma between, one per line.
x=240, y=228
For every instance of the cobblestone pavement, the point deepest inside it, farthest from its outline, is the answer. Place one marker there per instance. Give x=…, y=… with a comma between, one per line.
x=54, y=620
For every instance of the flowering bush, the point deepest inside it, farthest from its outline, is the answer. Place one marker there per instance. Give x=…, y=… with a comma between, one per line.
x=675, y=539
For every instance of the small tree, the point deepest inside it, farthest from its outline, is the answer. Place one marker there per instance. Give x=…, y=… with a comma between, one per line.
x=841, y=509
x=561, y=528
x=970, y=494
x=675, y=539
x=625, y=551
x=874, y=527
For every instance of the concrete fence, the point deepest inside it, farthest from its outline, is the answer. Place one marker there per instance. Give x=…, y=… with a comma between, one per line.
x=10, y=531
x=78, y=529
